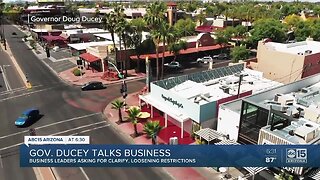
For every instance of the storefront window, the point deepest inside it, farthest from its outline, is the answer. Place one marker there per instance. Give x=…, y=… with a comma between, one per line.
x=253, y=118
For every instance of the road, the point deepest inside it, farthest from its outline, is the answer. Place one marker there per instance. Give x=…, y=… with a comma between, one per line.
x=66, y=111
x=8, y=74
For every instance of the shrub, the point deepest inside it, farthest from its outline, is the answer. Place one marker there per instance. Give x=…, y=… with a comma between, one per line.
x=76, y=72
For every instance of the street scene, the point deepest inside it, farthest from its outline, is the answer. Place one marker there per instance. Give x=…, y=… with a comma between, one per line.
x=159, y=73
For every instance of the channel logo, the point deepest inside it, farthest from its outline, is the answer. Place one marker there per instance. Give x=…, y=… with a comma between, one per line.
x=296, y=155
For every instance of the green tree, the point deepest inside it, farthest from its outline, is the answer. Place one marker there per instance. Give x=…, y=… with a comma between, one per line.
x=239, y=53
x=302, y=31
x=133, y=115
x=175, y=48
x=201, y=17
x=212, y=11
x=267, y=28
x=316, y=31
x=185, y=27
x=221, y=39
x=293, y=20
x=118, y=105
x=152, y=129
x=138, y=26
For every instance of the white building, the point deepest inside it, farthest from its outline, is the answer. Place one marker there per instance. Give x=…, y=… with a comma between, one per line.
x=196, y=97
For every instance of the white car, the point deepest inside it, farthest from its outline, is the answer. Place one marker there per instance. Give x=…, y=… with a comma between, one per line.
x=205, y=59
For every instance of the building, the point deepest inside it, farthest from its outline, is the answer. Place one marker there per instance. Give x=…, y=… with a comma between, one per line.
x=194, y=99
x=284, y=107
x=212, y=25
x=287, y=114
x=300, y=59
x=81, y=35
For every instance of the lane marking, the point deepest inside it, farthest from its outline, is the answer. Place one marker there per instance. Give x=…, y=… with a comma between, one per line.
x=59, y=122
x=80, y=127
x=15, y=145
x=4, y=79
x=17, y=90
x=89, y=130
x=25, y=94
x=1, y=163
x=84, y=173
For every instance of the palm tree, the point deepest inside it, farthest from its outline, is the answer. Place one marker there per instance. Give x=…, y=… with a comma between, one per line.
x=167, y=36
x=133, y=115
x=120, y=28
x=154, y=17
x=118, y=104
x=156, y=37
x=152, y=128
x=110, y=23
x=137, y=25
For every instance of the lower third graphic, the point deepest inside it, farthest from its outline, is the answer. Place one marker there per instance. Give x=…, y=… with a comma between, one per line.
x=296, y=155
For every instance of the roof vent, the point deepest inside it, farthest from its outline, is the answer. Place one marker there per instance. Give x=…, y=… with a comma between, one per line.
x=291, y=132
x=304, y=90
x=308, y=125
x=308, y=52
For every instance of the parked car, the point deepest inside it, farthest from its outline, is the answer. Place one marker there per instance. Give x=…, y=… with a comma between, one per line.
x=27, y=117
x=205, y=59
x=221, y=56
x=173, y=65
x=93, y=85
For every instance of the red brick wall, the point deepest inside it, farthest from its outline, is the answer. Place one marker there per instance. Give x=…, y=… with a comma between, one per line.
x=312, y=65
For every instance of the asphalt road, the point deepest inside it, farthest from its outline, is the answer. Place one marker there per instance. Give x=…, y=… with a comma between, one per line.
x=66, y=111
x=9, y=78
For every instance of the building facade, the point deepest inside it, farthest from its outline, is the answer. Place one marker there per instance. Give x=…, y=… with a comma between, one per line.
x=301, y=59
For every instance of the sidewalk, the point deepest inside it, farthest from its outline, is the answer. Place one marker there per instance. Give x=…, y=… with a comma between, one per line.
x=179, y=173
x=95, y=76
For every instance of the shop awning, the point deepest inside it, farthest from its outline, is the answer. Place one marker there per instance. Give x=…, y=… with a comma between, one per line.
x=227, y=142
x=179, y=116
x=89, y=57
x=53, y=38
x=209, y=134
x=182, y=52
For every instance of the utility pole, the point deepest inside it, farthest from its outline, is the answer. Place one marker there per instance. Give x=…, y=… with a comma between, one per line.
x=240, y=80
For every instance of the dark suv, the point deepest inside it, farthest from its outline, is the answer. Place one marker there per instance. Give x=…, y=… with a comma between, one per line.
x=93, y=85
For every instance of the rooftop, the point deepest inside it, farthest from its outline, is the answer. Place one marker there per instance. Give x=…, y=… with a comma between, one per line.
x=83, y=46
x=302, y=48
x=84, y=31
x=298, y=132
x=216, y=84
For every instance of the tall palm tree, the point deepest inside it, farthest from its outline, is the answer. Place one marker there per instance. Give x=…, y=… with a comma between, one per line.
x=154, y=17
x=167, y=36
x=156, y=37
x=110, y=23
x=133, y=115
x=137, y=27
x=118, y=104
x=152, y=128
x=120, y=28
